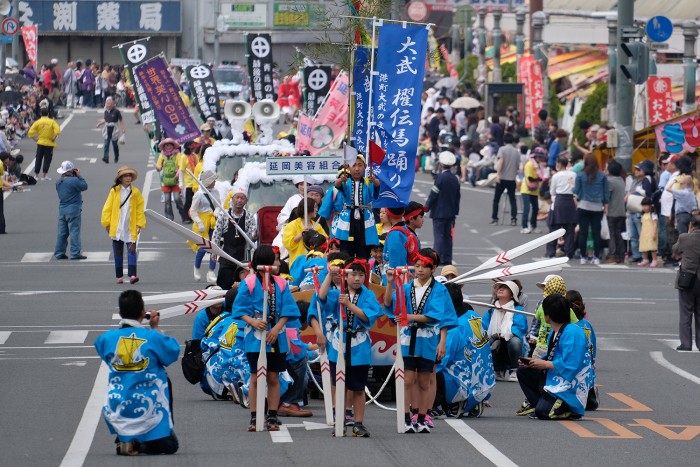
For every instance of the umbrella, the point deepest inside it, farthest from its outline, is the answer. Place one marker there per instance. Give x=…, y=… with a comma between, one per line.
x=465, y=103
x=17, y=80
x=11, y=97
x=448, y=83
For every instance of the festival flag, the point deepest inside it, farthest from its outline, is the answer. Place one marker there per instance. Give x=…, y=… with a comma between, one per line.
x=30, y=36
x=164, y=96
x=660, y=99
x=317, y=83
x=259, y=58
x=360, y=95
x=396, y=102
x=304, y=128
x=327, y=130
x=206, y=96
x=133, y=54
x=448, y=62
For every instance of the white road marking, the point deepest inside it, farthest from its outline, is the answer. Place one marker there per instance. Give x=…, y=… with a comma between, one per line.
x=82, y=440
x=474, y=231
x=36, y=257
x=92, y=256
x=486, y=449
x=658, y=357
x=613, y=266
x=611, y=344
x=4, y=335
x=501, y=232
x=66, y=337
x=79, y=363
x=672, y=343
x=281, y=436
x=95, y=256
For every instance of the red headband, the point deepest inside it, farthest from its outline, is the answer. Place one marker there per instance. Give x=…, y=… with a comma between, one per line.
x=415, y=213
x=425, y=260
x=276, y=250
x=334, y=241
x=392, y=215
x=365, y=267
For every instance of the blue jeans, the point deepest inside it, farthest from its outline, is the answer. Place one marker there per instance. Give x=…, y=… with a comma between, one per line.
x=635, y=229
x=68, y=225
x=530, y=200
x=115, y=145
x=663, y=237
x=199, y=256
x=118, y=250
x=295, y=392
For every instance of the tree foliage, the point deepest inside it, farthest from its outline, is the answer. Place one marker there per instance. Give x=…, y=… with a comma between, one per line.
x=590, y=110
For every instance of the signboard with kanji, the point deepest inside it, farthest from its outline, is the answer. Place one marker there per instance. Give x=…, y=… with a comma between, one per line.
x=303, y=165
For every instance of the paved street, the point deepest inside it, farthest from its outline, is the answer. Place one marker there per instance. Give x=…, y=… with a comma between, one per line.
x=53, y=386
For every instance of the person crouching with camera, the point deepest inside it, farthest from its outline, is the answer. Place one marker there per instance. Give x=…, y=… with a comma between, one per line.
x=505, y=330
x=70, y=206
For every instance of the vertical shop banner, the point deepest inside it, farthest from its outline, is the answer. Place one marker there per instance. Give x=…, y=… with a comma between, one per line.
x=133, y=54
x=203, y=88
x=304, y=129
x=164, y=96
x=360, y=94
x=660, y=99
x=397, y=88
x=328, y=128
x=30, y=36
x=317, y=83
x=535, y=87
x=524, y=77
x=448, y=63
x=259, y=56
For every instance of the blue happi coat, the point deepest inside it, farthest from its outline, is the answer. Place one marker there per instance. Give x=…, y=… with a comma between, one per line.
x=395, y=254
x=572, y=375
x=304, y=280
x=340, y=227
x=360, y=344
x=249, y=302
x=468, y=364
x=223, y=348
x=590, y=335
x=439, y=307
x=137, y=406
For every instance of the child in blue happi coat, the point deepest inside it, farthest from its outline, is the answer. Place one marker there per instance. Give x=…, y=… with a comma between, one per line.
x=316, y=245
x=401, y=245
x=465, y=374
x=248, y=306
x=361, y=311
x=576, y=301
x=429, y=309
x=138, y=406
x=376, y=263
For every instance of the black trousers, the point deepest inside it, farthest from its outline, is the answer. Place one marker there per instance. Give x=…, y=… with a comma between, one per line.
x=2, y=213
x=569, y=247
x=188, y=201
x=500, y=188
x=44, y=154
x=531, y=382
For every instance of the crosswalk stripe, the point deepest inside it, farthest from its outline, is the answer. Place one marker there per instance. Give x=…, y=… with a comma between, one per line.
x=611, y=344
x=95, y=256
x=66, y=337
x=92, y=256
x=36, y=257
x=4, y=335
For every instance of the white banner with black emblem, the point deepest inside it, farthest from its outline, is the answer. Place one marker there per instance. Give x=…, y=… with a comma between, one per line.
x=259, y=57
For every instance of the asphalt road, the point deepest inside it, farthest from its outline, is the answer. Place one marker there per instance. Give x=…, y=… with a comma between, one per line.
x=51, y=313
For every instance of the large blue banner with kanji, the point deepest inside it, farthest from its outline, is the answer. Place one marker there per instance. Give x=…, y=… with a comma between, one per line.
x=105, y=17
x=397, y=88
x=360, y=94
x=164, y=96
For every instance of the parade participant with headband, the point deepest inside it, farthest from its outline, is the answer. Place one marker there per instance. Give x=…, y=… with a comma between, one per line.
x=428, y=310
x=281, y=307
x=414, y=216
x=203, y=214
x=355, y=226
x=187, y=182
x=557, y=385
x=361, y=311
x=376, y=263
x=292, y=400
x=316, y=245
x=123, y=217
x=506, y=330
x=333, y=246
x=138, y=404
x=168, y=165
x=231, y=240
x=400, y=246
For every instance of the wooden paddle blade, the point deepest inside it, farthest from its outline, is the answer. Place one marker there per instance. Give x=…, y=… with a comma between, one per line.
x=187, y=308
x=179, y=297
x=515, y=270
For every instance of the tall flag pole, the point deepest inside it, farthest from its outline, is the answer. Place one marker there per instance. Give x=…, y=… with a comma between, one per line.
x=370, y=112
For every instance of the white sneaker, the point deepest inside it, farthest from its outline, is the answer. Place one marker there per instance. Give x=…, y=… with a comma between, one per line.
x=422, y=428
x=595, y=260
x=526, y=230
x=48, y=179
x=513, y=376
x=197, y=274
x=584, y=261
x=536, y=231
x=211, y=276
x=409, y=428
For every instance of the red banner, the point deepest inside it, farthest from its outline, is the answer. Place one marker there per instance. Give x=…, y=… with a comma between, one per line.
x=660, y=99
x=30, y=35
x=328, y=129
x=304, y=129
x=448, y=62
x=530, y=73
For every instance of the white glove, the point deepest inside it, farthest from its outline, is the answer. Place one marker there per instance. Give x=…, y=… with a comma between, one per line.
x=218, y=212
x=200, y=226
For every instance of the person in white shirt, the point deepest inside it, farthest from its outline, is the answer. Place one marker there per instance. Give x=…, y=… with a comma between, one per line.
x=562, y=213
x=666, y=210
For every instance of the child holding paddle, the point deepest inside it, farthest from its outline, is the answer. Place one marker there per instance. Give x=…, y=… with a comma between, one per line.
x=358, y=308
x=281, y=306
x=428, y=310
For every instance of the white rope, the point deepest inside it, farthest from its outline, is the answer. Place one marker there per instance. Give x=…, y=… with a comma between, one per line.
x=313, y=378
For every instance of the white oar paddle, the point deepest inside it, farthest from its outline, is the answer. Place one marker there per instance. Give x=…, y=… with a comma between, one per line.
x=198, y=240
x=340, y=368
x=217, y=202
x=186, y=308
x=261, y=371
x=399, y=376
x=179, y=297
x=489, y=305
x=509, y=255
x=509, y=271
x=323, y=357
x=535, y=272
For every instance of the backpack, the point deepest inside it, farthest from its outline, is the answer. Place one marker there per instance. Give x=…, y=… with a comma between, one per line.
x=411, y=244
x=170, y=172
x=193, y=365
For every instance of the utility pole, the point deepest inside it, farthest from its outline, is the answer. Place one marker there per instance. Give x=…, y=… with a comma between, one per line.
x=538, y=21
x=612, y=66
x=690, y=34
x=482, y=44
x=519, y=38
x=16, y=38
x=468, y=38
x=625, y=89
x=195, y=33
x=217, y=32
x=497, y=15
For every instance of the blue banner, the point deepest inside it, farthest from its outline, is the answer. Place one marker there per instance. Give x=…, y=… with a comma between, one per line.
x=397, y=88
x=164, y=96
x=105, y=17
x=360, y=93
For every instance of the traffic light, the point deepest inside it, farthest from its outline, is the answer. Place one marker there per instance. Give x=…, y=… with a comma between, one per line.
x=637, y=68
